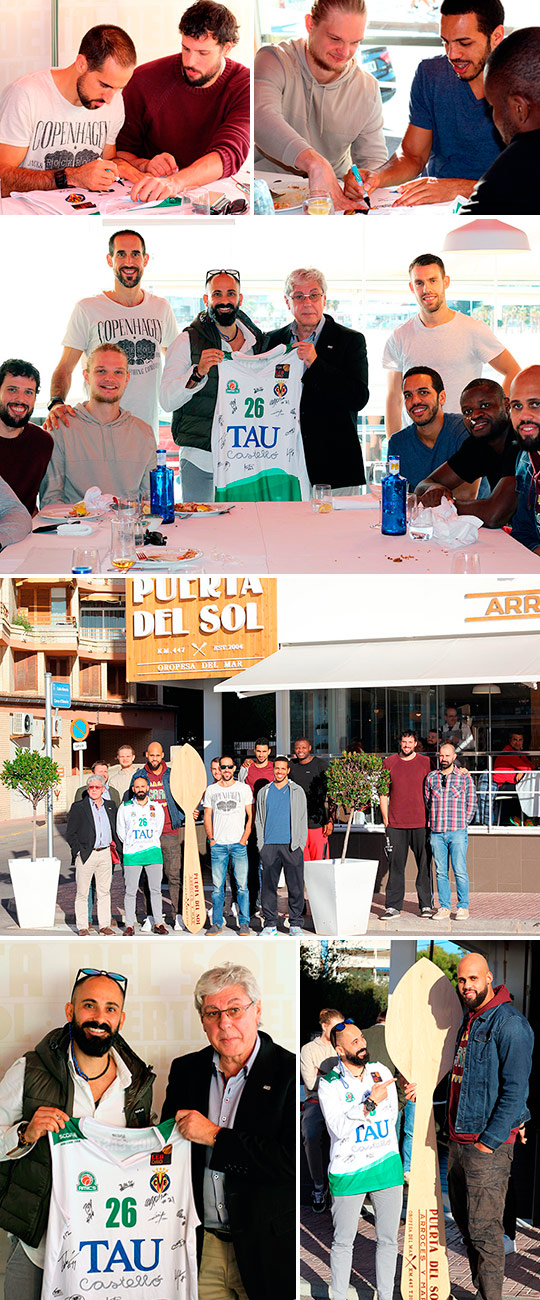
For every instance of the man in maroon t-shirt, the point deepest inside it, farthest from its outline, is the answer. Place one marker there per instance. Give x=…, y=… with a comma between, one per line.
x=404, y=816
x=256, y=773
x=25, y=449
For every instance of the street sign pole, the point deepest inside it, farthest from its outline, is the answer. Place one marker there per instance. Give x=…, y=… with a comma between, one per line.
x=48, y=751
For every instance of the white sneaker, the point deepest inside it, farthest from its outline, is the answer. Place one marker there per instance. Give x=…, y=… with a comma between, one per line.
x=462, y=914
x=233, y=910
x=146, y=927
x=180, y=924
x=509, y=1245
x=268, y=931
x=442, y=914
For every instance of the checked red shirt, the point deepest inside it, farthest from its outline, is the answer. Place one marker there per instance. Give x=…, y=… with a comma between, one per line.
x=451, y=803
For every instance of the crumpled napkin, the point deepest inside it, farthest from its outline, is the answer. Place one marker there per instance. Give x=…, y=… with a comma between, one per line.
x=97, y=502
x=449, y=528
x=76, y=529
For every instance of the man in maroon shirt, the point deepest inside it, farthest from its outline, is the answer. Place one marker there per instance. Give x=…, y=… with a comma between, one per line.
x=187, y=115
x=404, y=816
x=25, y=449
x=256, y=773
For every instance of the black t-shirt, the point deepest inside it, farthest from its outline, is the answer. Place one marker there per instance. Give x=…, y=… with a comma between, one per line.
x=476, y=459
x=501, y=189
x=312, y=778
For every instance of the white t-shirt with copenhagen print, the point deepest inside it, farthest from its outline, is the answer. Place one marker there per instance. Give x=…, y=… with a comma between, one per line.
x=56, y=133
x=141, y=331
x=228, y=804
x=458, y=350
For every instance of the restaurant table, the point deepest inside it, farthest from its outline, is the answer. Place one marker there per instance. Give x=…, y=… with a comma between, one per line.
x=21, y=206
x=285, y=537
x=382, y=200
x=528, y=793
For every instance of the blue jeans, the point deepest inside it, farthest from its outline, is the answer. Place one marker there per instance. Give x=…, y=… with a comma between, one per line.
x=220, y=854
x=408, y=1128
x=450, y=848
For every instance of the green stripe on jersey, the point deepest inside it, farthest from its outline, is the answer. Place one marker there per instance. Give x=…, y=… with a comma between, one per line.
x=166, y=1128
x=384, y=1173
x=69, y=1133
x=269, y=485
x=143, y=856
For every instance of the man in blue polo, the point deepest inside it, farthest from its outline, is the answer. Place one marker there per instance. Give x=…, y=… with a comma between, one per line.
x=451, y=132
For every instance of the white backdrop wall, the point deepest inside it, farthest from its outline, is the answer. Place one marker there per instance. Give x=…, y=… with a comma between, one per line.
x=36, y=978
x=25, y=30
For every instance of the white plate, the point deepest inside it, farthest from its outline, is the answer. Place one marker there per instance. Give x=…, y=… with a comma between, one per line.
x=164, y=560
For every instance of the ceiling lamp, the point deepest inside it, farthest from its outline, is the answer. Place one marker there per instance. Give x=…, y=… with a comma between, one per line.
x=486, y=236
x=484, y=689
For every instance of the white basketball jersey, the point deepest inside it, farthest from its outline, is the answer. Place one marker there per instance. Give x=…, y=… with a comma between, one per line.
x=122, y=1213
x=257, y=448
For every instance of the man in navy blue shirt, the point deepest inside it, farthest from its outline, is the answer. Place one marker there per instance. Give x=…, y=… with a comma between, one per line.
x=433, y=435
x=281, y=824
x=451, y=131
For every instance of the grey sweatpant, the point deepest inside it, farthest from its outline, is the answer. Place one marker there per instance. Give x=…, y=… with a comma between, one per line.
x=132, y=875
x=345, y=1215
x=23, y=1279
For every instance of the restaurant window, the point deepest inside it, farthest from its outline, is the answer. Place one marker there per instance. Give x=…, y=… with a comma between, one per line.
x=90, y=679
x=25, y=671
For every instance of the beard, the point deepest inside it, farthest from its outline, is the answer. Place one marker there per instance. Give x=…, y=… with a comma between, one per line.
x=141, y=796
x=133, y=280
x=225, y=315
x=472, y=1004
x=91, y=104
x=529, y=442
x=357, y=1058
x=203, y=77
x=14, y=421
x=87, y=1043
x=444, y=764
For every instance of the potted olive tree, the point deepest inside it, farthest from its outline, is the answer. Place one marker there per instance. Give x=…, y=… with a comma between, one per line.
x=34, y=880
x=340, y=890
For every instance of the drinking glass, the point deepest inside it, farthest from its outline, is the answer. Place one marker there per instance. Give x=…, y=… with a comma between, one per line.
x=318, y=204
x=85, y=560
x=321, y=498
x=122, y=542
x=200, y=202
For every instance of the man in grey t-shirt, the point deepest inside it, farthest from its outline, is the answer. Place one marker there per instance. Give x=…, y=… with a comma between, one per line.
x=228, y=811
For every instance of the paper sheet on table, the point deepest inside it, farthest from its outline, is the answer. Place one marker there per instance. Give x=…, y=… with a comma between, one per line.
x=60, y=202
x=382, y=202
x=352, y=503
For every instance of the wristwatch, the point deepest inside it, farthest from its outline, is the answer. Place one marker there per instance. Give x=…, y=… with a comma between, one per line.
x=21, y=1133
x=55, y=401
x=196, y=375
x=370, y=1105
x=60, y=179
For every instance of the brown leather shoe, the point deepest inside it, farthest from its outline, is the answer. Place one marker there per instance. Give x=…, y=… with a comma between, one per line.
x=129, y=932
x=160, y=929
x=106, y=930
x=83, y=934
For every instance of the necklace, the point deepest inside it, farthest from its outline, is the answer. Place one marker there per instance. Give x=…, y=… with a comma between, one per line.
x=225, y=336
x=91, y=1078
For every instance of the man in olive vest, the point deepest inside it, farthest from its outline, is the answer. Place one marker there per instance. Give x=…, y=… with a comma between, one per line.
x=190, y=377
x=71, y=1071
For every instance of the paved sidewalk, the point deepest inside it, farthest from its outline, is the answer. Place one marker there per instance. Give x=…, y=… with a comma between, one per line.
x=522, y=1268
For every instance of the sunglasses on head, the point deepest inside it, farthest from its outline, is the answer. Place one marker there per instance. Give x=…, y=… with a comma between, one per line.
x=88, y=972
x=336, y=1029
x=222, y=270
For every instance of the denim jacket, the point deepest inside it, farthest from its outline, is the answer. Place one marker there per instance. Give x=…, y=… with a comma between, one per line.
x=175, y=813
x=526, y=520
x=495, y=1083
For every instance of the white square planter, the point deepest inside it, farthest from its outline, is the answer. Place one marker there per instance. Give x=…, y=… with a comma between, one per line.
x=340, y=894
x=35, y=885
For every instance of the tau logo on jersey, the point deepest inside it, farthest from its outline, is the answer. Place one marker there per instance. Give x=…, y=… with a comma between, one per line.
x=160, y=1182
x=232, y=386
x=282, y=371
x=87, y=1182
x=280, y=390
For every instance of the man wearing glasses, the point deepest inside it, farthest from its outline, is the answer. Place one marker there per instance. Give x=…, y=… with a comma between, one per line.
x=190, y=377
x=228, y=813
x=235, y=1101
x=72, y=1071
x=334, y=383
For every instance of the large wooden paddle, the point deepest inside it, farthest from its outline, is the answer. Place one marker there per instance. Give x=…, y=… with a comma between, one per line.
x=188, y=784
x=424, y=1014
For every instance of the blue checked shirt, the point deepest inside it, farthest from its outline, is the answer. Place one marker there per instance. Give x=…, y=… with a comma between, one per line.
x=451, y=803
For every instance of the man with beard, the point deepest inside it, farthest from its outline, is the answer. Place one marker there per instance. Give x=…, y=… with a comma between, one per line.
x=228, y=812
x=512, y=87
x=451, y=805
x=455, y=344
x=404, y=816
x=433, y=432
x=25, y=448
x=190, y=377
x=525, y=418
x=187, y=115
x=84, y=1068
x=158, y=776
x=90, y=832
x=139, y=826
x=334, y=382
x=58, y=127
x=316, y=110
x=487, y=1106
x=141, y=323
x=451, y=132
x=359, y=1104
x=490, y=451
x=103, y=444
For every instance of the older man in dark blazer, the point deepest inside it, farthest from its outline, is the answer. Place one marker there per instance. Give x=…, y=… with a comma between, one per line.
x=236, y=1102
x=90, y=832
x=334, y=383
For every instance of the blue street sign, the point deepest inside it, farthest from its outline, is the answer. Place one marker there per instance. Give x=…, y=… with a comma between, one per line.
x=61, y=695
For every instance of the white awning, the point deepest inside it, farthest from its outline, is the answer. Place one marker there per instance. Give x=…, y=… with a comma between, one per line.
x=425, y=661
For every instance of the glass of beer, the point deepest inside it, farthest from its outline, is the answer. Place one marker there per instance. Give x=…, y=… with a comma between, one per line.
x=123, y=542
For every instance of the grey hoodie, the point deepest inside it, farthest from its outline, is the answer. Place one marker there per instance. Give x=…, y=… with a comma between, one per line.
x=342, y=120
x=115, y=457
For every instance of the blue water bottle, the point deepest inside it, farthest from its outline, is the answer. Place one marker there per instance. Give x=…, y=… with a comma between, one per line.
x=394, y=501
x=162, y=490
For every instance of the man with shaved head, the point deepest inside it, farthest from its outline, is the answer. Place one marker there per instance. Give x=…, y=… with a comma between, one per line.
x=525, y=417
x=487, y=1105
x=83, y=1068
x=359, y=1104
x=489, y=452
x=512, y=87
